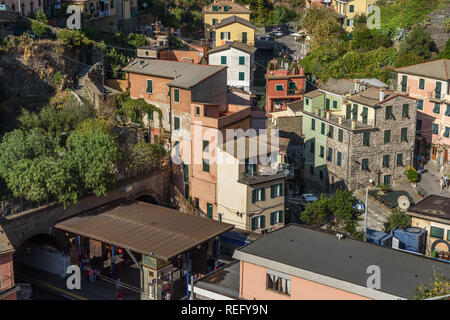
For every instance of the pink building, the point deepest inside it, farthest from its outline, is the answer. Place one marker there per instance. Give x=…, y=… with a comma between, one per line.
x=305, y=263
x=429, y=83
x=25, y=7
x=7, y=287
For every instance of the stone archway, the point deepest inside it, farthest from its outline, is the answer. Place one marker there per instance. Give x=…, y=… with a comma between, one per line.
x=146, y=195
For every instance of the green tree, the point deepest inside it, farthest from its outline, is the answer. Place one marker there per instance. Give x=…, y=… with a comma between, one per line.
x=346, y=216
x=438, y=286
x=397, y=219
x=445, y=54
x=407, y=59
x=143, y=155
x=418, y=41
x=366, y=39
x=316, y=213
x=99, y=124
x=39, y=29
x=134, y=109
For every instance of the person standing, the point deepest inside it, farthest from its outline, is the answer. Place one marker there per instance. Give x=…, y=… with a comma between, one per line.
x=91, y=275
x=441, y=183
x=445, y=181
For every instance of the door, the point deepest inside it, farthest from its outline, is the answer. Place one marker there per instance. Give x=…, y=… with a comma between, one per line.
x=209, y=210
x=433, y=153
x=445, y=156
x=387, y=180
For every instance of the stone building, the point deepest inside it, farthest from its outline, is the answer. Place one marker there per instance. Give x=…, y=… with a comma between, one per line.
x=366, y=138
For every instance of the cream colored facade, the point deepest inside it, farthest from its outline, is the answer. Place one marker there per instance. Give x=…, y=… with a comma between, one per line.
x=350, y=8
x=234, y=198
x=235, y=31
x=427, y=224
x=209, y=17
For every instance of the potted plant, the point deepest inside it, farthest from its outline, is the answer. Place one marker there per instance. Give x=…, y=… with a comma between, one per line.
x=412, y=175
x=383, y=188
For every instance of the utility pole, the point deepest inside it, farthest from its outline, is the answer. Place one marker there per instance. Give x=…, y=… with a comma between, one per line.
x=365, y=214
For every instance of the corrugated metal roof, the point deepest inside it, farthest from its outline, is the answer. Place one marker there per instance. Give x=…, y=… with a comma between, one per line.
x=185, y=75
x=145, y=228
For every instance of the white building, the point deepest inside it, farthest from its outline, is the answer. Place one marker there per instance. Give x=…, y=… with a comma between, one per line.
x=239, y=58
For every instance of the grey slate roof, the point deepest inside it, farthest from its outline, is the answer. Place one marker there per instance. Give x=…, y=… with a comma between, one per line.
x=236, y=45
x=224, y=281
x=341, y=86
x=187, y=74
x=320, y=252
x=313, y=94
x=433, y=206
x=234, y=19
x=438, y=69
x=234, y=7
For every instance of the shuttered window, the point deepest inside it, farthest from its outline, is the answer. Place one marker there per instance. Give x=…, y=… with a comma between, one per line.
x=387, y=136
x=436, y=232
x=241, y=76
x=420, y=105
x=365, y=164
x=435, y=128
x=340, y=135
x=405, y=111
x=404, y=134
x=386, y=161
x=400, y=159
x=176, y=95
x=339, y=159
x=149, y=86
x=223, y=59
x=366, y=139
x=176, y=123
x=313, y=124
x=241, y=60
x=421, y=84
x=276, y=217
x=276, y=190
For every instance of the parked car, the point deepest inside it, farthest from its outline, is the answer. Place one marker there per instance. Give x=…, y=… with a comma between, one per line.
x=308, y=198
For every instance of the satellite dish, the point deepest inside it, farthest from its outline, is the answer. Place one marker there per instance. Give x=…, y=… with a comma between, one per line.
x=403, y=202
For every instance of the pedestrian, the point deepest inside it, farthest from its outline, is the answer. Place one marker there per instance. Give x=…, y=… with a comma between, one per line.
x=91, y=275
x=120, y=295
x=117, y=285
x=441, y=183
x=445, y=181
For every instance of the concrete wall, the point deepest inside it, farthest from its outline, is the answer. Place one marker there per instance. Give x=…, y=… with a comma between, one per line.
x=253, y=285
x=212, y=90
x=25, y=225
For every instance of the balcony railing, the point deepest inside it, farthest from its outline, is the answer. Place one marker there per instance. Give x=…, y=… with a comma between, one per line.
x=342, y=121
x=262, y=174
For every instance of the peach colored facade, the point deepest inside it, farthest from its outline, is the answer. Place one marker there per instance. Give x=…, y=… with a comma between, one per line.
x=7, y=276
x=253, y=286
x=27, y=6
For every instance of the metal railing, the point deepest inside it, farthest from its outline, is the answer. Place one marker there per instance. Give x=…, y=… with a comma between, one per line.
x=15, y=205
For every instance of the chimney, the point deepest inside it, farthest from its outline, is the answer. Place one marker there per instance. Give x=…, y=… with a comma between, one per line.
x=381, y=95
x=357, y=86
x=175, y=74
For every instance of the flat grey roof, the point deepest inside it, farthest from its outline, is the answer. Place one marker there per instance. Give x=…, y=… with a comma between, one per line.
x=433, y=206
x=187, y=74
x=224, y=281
x=320, y=252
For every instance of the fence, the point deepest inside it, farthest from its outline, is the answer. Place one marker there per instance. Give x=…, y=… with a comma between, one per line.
x=13, y=205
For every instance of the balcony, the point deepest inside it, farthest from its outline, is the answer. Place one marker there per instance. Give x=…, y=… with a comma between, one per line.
x=264, y=173
x=340, y=120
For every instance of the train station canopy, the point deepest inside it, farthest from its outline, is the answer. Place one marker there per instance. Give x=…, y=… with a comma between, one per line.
x=145, y=228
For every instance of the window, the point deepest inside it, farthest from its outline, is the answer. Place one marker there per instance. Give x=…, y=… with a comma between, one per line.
x=339, y=159
x=436, y=232
x=334, y=104
x=244, y=37
x=419, y=125
x=186, y=177
x=307, y=101
x=150, y=116
x=435, y=128
x=364, y=115
x=176, y=123
x=348, y=112
x=223, y=60
x=446, y=132
x=292, y=85
x=215, y=8
x=405, y=111
x=205, y=161
x=366, y=139
x=279, y=87
x=149, y=86
x=404, y=134
x=330, y=132
x=355, y=112
x=322, y=128
x=276, y=190
x=389, y=114
x=241, y=60
x=312, y=147
x=176, y=95
x=219, y=215
x=112, y=4
x=448, y=238
x=404, y=83
x=352, y=8
x=313, y=124
x=386, y=161
x=340, y=135
x=387, y=136
x=437, y=90
x=322, y=151
x=437, y=108
x=225, y=36
x=250, y=168
x=420, y=105
x=176, y=147
x=447, y=112
x=330, y=155
x=258, y=195
x=279, y=284
x=327, y=104
x=400, y=159
x=214, y=21
x=387, y=179
x=241, y=76
x=365, y=164
x=197, y=111
x=226, y=8
x=209, y=210
x=276, y=217
x=421, y=84
x=258, y=222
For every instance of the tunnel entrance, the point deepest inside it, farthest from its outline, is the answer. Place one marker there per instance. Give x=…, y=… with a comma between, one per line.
x=147, y=198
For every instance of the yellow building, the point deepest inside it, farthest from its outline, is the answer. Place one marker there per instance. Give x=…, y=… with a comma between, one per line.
x=218, y=10
x=232, y=29
x=350, y=8
x=433, y=215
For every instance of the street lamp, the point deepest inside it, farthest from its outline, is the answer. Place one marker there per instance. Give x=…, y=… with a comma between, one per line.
x=365, y=210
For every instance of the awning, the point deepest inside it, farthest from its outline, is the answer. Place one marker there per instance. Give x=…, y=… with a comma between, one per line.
x=145, y=228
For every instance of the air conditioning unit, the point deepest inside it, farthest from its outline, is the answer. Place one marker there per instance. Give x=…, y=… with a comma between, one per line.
x=362, y=88
x=352, y=91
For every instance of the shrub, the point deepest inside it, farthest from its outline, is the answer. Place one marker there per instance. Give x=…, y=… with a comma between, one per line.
x=384, y=187
x=412, y=174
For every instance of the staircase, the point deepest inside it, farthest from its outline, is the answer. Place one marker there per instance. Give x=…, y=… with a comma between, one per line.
x=79, y=88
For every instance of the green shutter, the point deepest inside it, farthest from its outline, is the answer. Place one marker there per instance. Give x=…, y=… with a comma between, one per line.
x=280, y=216
x=241, y=76
x=149, y=86
x=404, y=134
x=281, y=189
x=244, y=37
x=176, y=123
x=263, y=194
x=150, y=115
x=209, y=209
x=366, y=139
x=340, y=135
x=422, y=84
x=176, y=97
x=241, y=60
x=262, y=222
x=223, y=59
x=272, y=218
x=253, y=196
x=253, y=224
x=272, y=191
x=405, y=111
x=387, y=136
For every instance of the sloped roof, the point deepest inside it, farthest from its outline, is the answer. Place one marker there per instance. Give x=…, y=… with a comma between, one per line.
x=433, y=206
x=5, y=245
x=341, y=86
x=233, y=7
x=234, y=19
x=187, y=74
x=438, y=69
x=236, y=45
